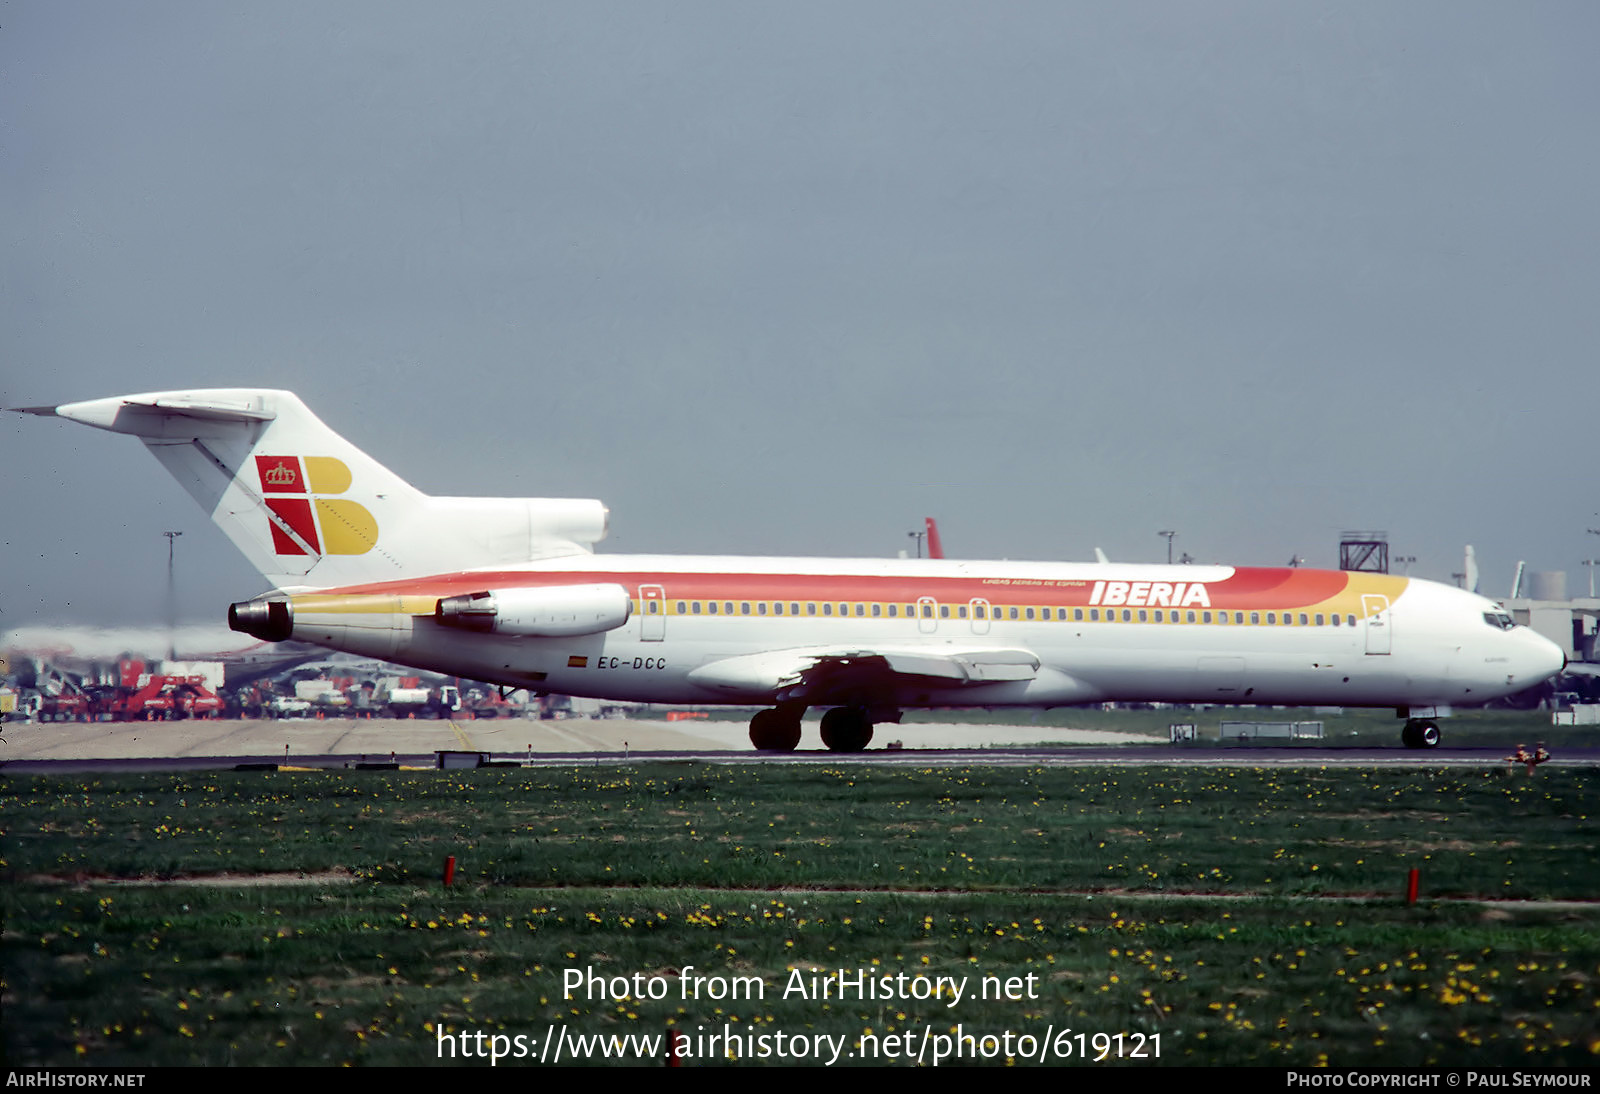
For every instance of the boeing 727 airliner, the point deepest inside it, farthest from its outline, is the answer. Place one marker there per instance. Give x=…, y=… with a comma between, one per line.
x=509, y=591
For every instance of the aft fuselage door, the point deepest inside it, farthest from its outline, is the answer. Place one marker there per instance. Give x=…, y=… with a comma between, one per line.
x=652, y=613
x=927, y=614
x=1376, y=610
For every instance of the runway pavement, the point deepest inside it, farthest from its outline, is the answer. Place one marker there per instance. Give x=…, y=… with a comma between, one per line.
x=375, y=738
x=346, y=743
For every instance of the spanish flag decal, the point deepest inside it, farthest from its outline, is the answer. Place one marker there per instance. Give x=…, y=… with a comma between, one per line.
x=577, y=662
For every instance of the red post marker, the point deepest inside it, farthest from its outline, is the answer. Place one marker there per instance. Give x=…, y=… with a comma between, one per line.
x=450, y=869
x=1411, y=886
x=673, y=1059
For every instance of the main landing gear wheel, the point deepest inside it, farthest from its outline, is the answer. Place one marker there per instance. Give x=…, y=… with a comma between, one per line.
x=775, y=731
x=846, y=729
x=1420, y=734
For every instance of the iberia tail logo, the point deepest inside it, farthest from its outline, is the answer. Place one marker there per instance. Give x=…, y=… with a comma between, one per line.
x=296, y=489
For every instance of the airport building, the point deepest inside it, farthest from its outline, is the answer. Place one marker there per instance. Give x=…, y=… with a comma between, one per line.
x=1570, y=622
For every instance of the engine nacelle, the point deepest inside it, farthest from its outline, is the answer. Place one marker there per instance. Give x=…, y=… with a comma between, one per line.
x=555, y=611
x=268, y=620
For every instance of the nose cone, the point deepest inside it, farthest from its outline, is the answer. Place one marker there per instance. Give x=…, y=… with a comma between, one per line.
x=1541, y=659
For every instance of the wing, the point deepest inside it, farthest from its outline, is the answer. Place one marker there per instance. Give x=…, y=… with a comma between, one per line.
x=820, y=675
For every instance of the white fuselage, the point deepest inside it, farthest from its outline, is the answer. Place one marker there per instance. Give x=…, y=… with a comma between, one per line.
x=1098, y=632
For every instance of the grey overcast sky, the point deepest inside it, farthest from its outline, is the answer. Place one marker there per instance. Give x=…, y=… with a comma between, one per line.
x=783, y=279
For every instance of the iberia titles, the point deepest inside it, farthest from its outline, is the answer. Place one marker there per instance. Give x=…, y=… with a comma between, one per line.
x=1151, y=594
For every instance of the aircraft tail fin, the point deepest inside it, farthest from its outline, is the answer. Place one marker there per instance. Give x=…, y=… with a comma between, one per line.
x=935, y=546
x=311, y=510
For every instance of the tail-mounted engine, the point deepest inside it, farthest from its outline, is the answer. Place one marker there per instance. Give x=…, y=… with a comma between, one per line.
x=268, y=620
x=552, y=612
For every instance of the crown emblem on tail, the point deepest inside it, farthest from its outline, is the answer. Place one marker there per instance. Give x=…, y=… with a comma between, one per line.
x=281, y=475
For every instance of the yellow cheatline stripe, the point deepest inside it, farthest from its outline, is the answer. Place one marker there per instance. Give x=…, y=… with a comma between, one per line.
x=363, y=604
x=1343, y=604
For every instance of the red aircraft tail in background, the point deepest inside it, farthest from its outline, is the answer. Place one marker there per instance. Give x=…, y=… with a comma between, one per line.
x=935, y=548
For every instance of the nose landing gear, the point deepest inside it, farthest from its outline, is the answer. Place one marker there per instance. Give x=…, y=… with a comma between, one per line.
x=1420, y=733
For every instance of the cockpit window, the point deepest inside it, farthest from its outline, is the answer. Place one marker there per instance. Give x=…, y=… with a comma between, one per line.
x=1499, y=620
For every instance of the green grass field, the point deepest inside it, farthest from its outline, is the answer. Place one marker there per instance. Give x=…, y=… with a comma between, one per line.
x=1230, y=915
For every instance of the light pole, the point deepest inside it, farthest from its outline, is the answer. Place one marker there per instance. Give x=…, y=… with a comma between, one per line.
x=1169, y=536
x=918, y=537
x=172, y=599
